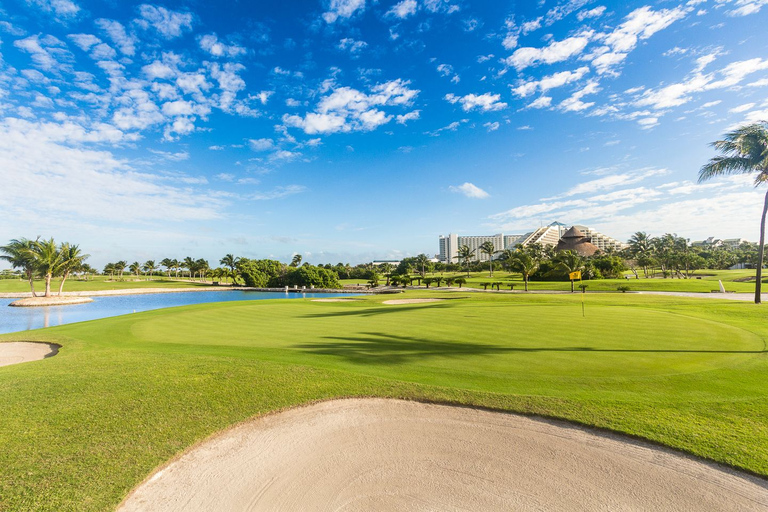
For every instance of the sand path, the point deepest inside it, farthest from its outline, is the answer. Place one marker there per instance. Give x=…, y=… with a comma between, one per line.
x=375, y=454
x=15, y=352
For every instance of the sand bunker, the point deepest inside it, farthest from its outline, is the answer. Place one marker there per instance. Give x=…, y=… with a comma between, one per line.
x=410, y=301
x=377, y=454
x=15, y=352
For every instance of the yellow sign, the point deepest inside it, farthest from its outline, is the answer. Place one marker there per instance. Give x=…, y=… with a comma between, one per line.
x=575, y=275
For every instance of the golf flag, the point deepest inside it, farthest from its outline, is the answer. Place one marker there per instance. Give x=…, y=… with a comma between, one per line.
x=575, y=275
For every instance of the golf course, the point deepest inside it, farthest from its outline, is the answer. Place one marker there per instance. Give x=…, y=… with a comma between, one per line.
x=125, y=395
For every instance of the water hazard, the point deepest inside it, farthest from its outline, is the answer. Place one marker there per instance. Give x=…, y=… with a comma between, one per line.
x=24, y=319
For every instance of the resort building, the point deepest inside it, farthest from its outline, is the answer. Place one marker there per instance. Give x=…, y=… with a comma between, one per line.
x=549, y=235
x=712, y=242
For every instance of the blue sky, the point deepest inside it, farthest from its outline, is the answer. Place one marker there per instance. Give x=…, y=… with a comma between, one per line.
x=348, y=130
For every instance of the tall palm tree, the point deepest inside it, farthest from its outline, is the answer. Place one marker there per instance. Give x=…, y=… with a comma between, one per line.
x=641, y=250
x=150, y=267
x=168, y=264
x=48, y=261
x=231, y=261
x=188, y=264
x=422, y=260
x=72, y=261
x=135, y=268
x=295, y=262
x=525, y=263
x=744, y=151
x=19, y=254
x=569, y=261
x=489, y=249
x=202, y=268
x=120, y=268
x=465, y=254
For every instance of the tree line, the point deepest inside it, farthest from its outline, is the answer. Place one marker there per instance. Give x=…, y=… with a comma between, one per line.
x=44, y=259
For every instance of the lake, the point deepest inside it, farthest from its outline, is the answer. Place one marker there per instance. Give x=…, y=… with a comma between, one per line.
x=25, y=319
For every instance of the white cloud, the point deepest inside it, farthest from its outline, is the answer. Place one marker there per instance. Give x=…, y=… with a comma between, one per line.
x=410, y=116
x=574, y=103
x=342, y=9
x=126, y=43
x=591, y=13
x=354, y=47
x=470, y=190
x=556, y=51
x=168, y=23
x=403, y=9
x=47, y=53
x=261, y=144
x=492, y=127
x=747, y=7
x=485, y=102
x=212, y=45
x=61, y=9
x=550, y=82
x=46, y=156
x=741, y=108
x=347, y=109
x=541, y=102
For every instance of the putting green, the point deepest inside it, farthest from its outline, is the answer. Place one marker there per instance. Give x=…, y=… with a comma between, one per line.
x=532, y=349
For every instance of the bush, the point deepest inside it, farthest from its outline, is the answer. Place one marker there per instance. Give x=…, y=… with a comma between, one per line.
x=623, y=288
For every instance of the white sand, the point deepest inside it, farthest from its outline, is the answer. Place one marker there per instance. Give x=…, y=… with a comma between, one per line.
x=15, y=352
x=35, y=302
x=410, y=301
x=376, y=454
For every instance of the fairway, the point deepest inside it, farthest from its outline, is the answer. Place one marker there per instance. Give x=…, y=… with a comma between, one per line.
x=126, y=394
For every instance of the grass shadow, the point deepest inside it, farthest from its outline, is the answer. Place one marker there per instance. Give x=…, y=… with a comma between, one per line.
x=376, y=348
x=380, y=310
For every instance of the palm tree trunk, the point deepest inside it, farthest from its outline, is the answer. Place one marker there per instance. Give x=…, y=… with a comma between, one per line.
x=48, y=284
x=31, y=278
x=525, y=279
x=63, y=278
x=760, y=251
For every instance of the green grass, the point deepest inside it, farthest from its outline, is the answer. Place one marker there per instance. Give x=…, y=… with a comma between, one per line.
x=707, y=283
x=126, y=394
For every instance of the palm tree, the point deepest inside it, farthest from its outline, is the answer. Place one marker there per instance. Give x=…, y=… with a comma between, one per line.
x=135, y=268
x=19, y=254
x=295, y=262
x=72, y=261
x=48, y=261
x=168, y=264
x=488, y=248
x=202, y=268
x=422, y=260
x=120, y=268
x=744, y=151
x=150, y=267
x=569, y=261
x=230, y=261
x=188, y=264
x=465, y=254
x=641, y=250
x=525, y=263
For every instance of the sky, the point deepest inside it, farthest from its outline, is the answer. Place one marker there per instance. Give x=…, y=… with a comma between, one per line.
x=353, y=130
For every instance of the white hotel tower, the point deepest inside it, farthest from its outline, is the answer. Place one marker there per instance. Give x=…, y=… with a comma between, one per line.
x=546, y=235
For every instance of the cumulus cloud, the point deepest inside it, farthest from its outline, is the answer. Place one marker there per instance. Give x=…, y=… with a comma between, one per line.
x=342, y=9
x=484, y=102
x=591, y=13
x=211, y=44
x=61, y=9
x=555, y=51
x=470, y=190
x=550, y=82
x=352, y=46
x=347, y=109
x=403, y=9
x=168, y=23
x=125, y=42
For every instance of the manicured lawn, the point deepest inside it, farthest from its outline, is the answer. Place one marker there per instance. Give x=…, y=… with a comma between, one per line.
x=126, y=394
x=707, y=283
x=100, y=283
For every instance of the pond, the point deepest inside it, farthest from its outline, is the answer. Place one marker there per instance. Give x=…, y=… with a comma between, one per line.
x=24, y=319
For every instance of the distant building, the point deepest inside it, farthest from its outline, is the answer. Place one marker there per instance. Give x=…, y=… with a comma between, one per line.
x=712, y=243
x=548, y=235
x=576, y=241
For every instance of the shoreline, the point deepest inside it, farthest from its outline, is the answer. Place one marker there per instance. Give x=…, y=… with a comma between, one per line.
x=140, y=291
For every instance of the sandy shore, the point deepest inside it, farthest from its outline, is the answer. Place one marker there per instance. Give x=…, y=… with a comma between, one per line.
x=33, y=302
x=15, y=352
x=375, y=454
